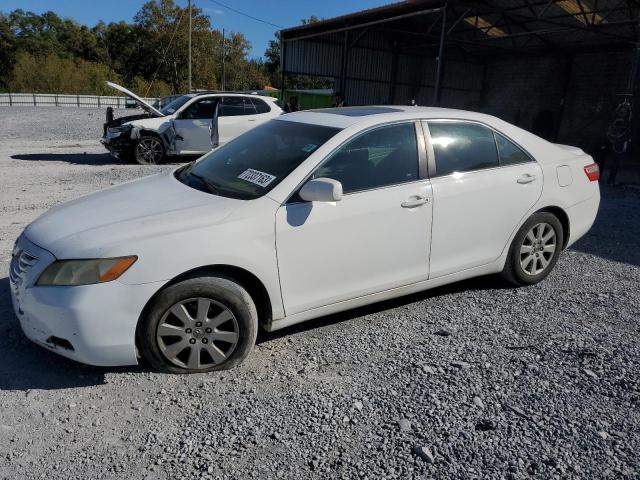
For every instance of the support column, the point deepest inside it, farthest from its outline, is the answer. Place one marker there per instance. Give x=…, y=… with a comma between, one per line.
x=343, y=68
x=394, y=73
x=283, y=56
x=568, y=71
x=438, y=84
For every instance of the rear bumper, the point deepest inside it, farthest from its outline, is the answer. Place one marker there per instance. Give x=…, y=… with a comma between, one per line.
x=93, y=324
x=581, y=217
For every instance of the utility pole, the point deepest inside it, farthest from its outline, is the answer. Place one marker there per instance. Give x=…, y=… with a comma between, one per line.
x=189, y=45
x=223, y=55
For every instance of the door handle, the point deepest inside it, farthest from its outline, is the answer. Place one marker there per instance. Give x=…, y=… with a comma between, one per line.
x=251, y=120
x=414, y=201
x=526, y=178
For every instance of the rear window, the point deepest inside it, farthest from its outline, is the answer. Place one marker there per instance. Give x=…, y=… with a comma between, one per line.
x=260, y=105
x=510, y=153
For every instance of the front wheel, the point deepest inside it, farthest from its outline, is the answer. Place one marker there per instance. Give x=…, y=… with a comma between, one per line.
x=199, y=325
x=148, y=150
x=534, y=250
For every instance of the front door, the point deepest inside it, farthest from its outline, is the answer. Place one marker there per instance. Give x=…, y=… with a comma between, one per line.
x=483, y=187
x=194, y=126
x=376, y=238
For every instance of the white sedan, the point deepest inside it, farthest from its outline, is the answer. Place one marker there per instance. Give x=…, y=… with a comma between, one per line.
x=306, y=215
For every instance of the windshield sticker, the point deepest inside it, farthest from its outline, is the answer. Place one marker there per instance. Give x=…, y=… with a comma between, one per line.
x=256, y=176
x=309, y=147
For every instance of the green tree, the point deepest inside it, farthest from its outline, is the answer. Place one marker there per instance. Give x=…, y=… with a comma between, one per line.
x=148, y=55
x=54, y=74
x=7, y=53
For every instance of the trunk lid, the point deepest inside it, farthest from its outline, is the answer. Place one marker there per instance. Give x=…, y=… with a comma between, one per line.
x=571, y=149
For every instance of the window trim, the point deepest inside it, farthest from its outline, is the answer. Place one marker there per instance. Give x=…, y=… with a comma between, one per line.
x=421, y=151
x=432, y=156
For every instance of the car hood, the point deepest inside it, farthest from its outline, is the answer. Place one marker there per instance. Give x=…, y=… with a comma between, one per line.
x=106, y=223
x=157, y=124
x=143, y=104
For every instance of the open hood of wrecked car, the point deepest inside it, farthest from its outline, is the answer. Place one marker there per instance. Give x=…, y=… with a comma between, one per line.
x=144, y=105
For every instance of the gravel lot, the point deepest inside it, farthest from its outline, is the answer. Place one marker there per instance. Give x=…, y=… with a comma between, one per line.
x=474, y=380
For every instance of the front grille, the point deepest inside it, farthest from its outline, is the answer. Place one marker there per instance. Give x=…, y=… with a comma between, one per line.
x=21, y=262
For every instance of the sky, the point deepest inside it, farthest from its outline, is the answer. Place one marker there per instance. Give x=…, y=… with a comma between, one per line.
x=284, y=13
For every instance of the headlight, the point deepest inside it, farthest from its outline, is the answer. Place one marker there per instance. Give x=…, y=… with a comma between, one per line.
x=119, y=130
x=85, y=272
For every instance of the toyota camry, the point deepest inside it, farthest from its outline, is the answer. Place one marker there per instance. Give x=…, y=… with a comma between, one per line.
x=305, y=215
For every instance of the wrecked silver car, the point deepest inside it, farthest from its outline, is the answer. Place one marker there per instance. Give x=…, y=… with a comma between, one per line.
x=191, y=124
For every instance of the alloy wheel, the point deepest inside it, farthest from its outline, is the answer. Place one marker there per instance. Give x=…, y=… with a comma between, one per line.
x=538, y=248
x=149, y=150
x=197, y=333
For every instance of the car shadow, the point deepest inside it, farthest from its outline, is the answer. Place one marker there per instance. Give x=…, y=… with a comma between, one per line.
x=488, y=282
x=74, y=158
x=26, y=366
x=87, y=158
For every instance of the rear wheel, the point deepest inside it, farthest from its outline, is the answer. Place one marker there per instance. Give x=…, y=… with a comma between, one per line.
x=534, y=250
x=199, y=325
x=148, y=150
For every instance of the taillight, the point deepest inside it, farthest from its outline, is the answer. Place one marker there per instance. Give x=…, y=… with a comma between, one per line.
x=593, y=172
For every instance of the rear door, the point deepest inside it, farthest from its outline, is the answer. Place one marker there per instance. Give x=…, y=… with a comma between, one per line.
x=483, y=186
x=235, y=117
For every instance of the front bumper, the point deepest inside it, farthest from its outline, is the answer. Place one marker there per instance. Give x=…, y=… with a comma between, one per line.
x=118, y=146
x=94, y=324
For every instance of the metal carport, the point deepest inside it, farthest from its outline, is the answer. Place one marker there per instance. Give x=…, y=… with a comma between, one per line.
x=438, y=52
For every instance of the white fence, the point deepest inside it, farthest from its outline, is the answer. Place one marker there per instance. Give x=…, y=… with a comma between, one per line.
x=55, y=100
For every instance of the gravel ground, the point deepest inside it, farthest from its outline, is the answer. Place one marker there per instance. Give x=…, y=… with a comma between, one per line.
x=473, y=380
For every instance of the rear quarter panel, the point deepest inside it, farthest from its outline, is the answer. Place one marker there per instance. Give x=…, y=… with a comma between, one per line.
x=568, y=187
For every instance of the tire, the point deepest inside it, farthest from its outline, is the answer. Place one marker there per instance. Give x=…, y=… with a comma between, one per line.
x=149, y=150
x=170, y=337
x=527, y=247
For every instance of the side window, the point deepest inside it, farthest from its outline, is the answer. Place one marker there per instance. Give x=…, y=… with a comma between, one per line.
x=201, y=109
x=232, y=107
x=249, y=108
x=510, y=153
x=384, y=156
x=260, y=105
x=462, y=147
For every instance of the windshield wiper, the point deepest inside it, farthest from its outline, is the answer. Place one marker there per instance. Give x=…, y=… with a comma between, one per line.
x=212, y=188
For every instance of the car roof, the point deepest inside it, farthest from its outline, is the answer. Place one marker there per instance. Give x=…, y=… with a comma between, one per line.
x=230, y=94
x=347, y=116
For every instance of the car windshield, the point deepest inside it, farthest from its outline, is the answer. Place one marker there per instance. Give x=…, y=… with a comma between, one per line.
x=175, y=104
x=256, y=161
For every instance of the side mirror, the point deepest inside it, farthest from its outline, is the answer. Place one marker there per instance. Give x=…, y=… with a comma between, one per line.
x=321, y=190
